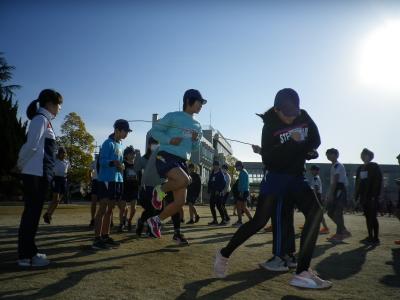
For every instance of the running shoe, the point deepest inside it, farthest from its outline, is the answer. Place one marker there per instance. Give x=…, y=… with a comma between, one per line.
x=336, y=238
x=98, y=244
x=223, y=223
x=47, y=218
x=214, y=222
x=324, y=230
x=291, y=261
x=275, y=264
x=309, y=280
x=110, y=241
x=154, y=226
x=180, y=239
x=375, y=242
x=36, y=261
x=220, y=265
x=158, y=197
x=190, y=222
x=367, y=240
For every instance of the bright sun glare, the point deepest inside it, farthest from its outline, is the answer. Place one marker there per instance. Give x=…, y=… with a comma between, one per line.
x=379, y=64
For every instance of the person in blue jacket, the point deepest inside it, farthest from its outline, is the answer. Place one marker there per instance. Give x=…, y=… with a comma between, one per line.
x=178, y=134
x=243, y=189
x=216, y=186
x=36, y=163
x=110, y=183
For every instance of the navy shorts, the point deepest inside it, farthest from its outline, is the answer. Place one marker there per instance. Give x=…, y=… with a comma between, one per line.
x=110, y=190
x=59, y=185
x=130, y=196
x=166, y=161
x=244, y=197
x=93, y=188
x=191, y=199
x=279, y=185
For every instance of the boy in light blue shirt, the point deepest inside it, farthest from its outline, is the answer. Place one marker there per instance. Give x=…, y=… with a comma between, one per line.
x=110, y=183
x=178, y=134
x=243, y=189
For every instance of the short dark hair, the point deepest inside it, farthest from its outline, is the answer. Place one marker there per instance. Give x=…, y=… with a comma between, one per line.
x=368, y=152
x=332, y=151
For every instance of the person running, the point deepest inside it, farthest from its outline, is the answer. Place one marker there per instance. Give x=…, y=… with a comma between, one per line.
x=243, y=189
x=61, y=166
x=178, y=134
x=93, y=190
x=289, y=137
x=216, y=186
x=226, y=191
x=193, y=194
x=337, y=196
x=36, y=164
x=110, y=185
x=367, y=190
x=131, y=190
x=316, y=185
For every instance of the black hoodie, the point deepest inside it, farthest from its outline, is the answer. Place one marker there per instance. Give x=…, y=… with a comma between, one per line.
x=279, y=152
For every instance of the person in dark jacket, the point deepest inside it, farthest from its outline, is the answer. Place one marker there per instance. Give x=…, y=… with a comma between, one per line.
x=193, y=194
x=367, y=191
x=216, y=185
x=289, y=138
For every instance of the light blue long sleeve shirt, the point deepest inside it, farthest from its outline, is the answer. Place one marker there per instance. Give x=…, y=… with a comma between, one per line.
x=177, y=124
x=243, y=185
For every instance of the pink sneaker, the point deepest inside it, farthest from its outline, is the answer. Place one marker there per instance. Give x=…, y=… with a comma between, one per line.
x=154, y=226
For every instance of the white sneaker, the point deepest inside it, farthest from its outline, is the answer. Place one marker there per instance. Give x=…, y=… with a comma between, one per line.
x=39, y=261
x=42, y=255
x=309, y=280
x=275, y=264
x=26, y=262
x=220, y=265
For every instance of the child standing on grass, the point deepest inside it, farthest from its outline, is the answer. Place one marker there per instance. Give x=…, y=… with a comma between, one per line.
x=59, y=183
x=36, y=163
x=193, y=194
x=178, y=134
x=243, y=189
x=110, y=184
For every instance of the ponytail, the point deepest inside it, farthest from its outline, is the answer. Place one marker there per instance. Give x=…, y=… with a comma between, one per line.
x=45, y=96
x=32, y=109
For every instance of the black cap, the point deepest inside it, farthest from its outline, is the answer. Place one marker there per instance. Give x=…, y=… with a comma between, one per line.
x=122, y=124
x=194, y=95
x=288, y=102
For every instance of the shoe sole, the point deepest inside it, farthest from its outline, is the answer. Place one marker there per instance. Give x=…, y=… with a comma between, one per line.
x=273, y=270
x=303, y=287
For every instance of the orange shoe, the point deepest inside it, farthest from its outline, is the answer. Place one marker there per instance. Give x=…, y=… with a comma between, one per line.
x=268, y=228
x=397, y=242
x=324, y=230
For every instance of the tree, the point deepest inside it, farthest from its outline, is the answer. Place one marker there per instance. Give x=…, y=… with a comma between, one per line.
x=79, y=145
x=12, y=130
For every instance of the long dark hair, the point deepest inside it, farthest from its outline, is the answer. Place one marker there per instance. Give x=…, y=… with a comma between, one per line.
x=45, y=96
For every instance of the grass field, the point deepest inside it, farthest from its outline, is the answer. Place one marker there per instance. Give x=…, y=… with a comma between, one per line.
x=159, y=269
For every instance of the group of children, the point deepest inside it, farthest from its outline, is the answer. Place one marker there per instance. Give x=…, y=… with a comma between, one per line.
x=162, y=181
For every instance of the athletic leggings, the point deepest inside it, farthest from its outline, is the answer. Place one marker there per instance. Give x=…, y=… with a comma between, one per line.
x=216, y=200
x=308, y=205
x=370, y=207
x=283, y=228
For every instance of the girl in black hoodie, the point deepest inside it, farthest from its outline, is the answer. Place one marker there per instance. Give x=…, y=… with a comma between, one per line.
x=289, y=138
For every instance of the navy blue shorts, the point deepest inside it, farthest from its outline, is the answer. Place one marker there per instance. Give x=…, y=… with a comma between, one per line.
x=93, y=188
x=166, y=161
x=59, y=185
x=191, y=199
x=279, y=185
x=110, y=190
x=244, y=197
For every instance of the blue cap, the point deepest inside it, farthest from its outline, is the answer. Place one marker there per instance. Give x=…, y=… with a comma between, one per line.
x=195, y=95
x=122, y=124
x=288, y=102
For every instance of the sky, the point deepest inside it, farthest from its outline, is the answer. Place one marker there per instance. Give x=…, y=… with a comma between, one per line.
x=130, y=59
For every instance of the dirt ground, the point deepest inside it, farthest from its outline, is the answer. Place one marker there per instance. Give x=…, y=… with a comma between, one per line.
x=158, y=269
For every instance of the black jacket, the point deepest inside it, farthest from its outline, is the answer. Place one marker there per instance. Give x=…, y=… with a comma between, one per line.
x=368, y=181
x=216, y=182
x=195, y=187
x=282, y=154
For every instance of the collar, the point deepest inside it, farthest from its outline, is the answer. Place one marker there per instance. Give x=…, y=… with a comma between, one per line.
x=46, y=113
